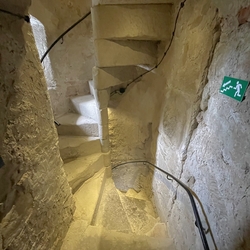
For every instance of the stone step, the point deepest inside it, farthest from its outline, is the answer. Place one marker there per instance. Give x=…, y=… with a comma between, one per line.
x=78, y=125
x=134, y=22
x=82, y=168
x=111, y=53
x=85, y=106
x=112, y=76
x=111, y=214
x=88, y=196
x=98, y=238
x=125, y=212
x=74, y=239
x=75, y=146
x=141, y=214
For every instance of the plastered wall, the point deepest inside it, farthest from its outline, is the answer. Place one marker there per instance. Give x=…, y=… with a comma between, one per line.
x=204, y=135
x=71, y=60
x=36, y=203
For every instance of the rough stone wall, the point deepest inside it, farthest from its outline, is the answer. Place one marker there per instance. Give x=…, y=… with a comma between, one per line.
x=72, y=59
x=134, y=119
x=36, y=204
x=204, y=135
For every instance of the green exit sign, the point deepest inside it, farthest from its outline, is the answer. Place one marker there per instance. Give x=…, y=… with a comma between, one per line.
x=234, y=88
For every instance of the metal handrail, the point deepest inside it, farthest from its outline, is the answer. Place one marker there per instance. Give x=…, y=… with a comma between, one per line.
x=191, y=197
x=62, y=35
x=123, y=89
x=26, y=18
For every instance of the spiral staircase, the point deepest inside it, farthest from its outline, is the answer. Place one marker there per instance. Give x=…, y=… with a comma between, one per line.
x=126, y=39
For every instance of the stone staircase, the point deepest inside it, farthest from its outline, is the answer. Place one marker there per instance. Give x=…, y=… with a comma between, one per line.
x=83, y=122
x=126, y=38
x=113, y=216
x=110, y=214
x=126, y=41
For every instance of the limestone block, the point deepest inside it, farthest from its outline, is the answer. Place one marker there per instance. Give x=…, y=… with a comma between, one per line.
x=75, y=146
x=86, y=105
x=74, y=239
x=137, y=22
x=107, y=162
x=111, y=214
x=122, y=53
x=102, y=97
x=103, y=116
x=96, y=236
x=112, y=76
x=103, y=132
x=88, y=196
x=105, y=145
x=81, y=169
x=141, y=214
x=75, y=124
x=36, y=199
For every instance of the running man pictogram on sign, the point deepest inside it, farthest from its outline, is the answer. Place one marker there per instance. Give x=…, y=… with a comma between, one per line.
x=238, y=88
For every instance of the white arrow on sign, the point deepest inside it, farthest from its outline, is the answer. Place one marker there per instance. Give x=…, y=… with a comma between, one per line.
x=226, y=83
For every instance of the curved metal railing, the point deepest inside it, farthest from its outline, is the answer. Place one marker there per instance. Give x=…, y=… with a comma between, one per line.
x=189, y=192
x=62, y=35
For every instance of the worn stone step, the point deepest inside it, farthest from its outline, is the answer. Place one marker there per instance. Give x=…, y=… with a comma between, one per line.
x=99, y=238
x=82, y=168
x=112, y=76
x=74, y=239
x=85, y=106
x=88, y=196
x=111, y=214
x=75, y=146
x=78, y=125
x=141, y=214
x=125, y=212
x=111, y=53
x=134, y=22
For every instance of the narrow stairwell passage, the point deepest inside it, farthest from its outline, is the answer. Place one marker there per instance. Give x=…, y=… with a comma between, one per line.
x=112, y=212
x=107, y=218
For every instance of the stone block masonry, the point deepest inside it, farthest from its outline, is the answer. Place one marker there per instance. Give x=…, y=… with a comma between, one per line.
x=204, y=135
x=36, y=204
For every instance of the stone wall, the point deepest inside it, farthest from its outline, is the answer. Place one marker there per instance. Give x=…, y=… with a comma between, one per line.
x=69, y=64
x=134, y=119
x=36, y=204
x=204, y=136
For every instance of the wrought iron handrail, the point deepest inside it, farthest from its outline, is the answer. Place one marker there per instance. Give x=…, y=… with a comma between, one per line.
x=189, y=192
x=62, y=35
